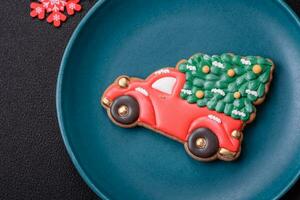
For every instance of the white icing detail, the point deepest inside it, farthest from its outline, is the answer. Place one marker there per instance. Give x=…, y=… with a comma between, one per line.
x=142, y=90
x=38, y=10
x=162, y=71
x=56, y=17
x=236, y=112
x=218, y=64
x=165, y=84
x=206, y=57
x=72, y=6
x=185, y=91
x=190, y=67
x=215, y=118
x=245, y=61
x=252, y=92
x=219, y=91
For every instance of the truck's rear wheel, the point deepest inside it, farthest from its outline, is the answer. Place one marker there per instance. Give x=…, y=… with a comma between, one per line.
x=202, y=144
x=125, y=110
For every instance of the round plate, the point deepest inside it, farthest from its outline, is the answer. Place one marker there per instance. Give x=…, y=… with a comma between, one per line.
x=136, y=38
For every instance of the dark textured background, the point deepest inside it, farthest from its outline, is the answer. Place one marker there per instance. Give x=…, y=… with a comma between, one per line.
x=33, y=161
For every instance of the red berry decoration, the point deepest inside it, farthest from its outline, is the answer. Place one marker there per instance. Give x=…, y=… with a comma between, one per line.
x=56, y=10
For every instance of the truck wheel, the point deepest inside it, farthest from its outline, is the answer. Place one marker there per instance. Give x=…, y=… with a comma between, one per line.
x=202, y=143
x=125, y=110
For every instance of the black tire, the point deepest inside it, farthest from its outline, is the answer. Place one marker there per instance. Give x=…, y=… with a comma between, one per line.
x=210, y=147
x=133, y=110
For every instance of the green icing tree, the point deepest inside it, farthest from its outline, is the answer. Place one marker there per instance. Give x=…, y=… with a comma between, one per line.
x=229, y=83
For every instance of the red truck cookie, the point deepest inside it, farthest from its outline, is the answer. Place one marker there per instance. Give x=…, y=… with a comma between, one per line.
x=202, y=103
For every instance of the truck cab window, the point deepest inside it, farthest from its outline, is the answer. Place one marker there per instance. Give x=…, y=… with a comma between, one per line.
x=165, y=84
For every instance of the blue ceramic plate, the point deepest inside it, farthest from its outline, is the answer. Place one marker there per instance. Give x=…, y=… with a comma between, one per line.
x=137, y=37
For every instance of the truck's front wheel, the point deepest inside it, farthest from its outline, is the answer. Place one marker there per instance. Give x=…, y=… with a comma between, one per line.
x=125, y=110
x=202, y=144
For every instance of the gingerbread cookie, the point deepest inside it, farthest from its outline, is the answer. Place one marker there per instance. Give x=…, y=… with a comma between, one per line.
x=204, y=102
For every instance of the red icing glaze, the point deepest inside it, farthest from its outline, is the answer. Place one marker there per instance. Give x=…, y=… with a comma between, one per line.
x=147, y=114
x=173, y=116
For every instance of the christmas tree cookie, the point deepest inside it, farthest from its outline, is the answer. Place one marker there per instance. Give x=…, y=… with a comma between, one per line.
x=228, y=84
x=204, y=102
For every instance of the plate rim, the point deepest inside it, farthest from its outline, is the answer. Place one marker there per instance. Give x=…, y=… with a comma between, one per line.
x=66, y=54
